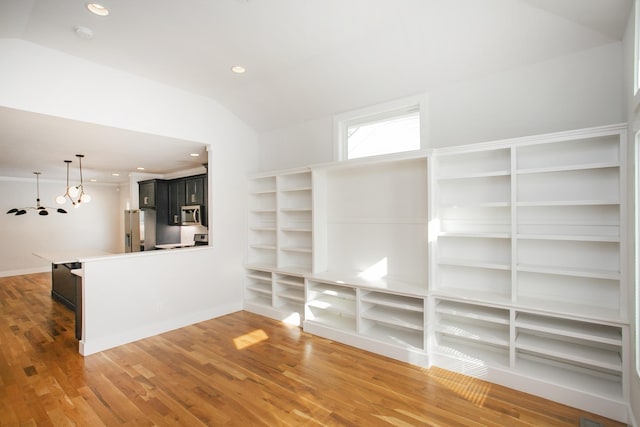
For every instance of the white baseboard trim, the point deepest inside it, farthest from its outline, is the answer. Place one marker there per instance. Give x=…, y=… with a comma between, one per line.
x=32, y=270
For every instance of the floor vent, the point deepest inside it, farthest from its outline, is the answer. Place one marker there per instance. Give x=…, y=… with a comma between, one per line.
x=586, y=422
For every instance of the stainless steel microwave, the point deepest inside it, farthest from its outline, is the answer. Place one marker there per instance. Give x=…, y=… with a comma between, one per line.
x=190, y=215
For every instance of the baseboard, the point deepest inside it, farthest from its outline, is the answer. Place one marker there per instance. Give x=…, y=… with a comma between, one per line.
x=633, y=422
x=589, y=402
x=31, y=270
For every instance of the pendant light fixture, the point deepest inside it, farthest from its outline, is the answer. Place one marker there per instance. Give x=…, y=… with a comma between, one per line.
x=75, y=194
x=42, y=210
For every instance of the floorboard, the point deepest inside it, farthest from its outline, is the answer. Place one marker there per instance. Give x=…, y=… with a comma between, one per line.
x=236, y=370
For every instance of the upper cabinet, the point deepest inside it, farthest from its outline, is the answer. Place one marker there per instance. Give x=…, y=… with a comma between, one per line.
x=147, y=194
x=175, y=193
x=191, y=190
x=195, y=190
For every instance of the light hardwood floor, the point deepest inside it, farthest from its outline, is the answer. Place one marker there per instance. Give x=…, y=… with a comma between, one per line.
x=241, y=369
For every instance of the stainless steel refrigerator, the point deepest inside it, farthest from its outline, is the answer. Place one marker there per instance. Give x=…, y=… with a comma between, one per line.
x=133, y=226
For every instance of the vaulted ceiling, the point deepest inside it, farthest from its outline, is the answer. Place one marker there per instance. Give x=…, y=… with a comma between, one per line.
x=312, y=58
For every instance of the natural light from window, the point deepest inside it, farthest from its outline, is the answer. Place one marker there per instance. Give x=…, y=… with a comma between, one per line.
x=383, y=129
x=394, y=134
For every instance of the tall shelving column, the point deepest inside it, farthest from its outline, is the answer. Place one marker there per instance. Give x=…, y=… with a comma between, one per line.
x=295, y=219
x=569, y=226
x=473, y=250
x=262, y=222
x=472, y=257
x=556, y=323
x=569, y=263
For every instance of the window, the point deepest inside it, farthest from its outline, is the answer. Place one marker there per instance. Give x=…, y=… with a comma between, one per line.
x=383, y=129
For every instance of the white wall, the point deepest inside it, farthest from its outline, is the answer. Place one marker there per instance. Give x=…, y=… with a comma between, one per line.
x=300, y=145
x=571, y=92
x=37, y=79
x=34, y=78
x=634, y=125
x=92, y=226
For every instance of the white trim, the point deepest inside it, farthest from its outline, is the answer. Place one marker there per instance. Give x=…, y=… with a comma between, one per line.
x=31, y=270
x=636, y=278
x=377, y=112
x=636, y=51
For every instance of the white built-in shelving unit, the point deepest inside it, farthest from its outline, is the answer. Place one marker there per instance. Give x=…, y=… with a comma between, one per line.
x=501, y=260
x=528, y=285
x=280, y=242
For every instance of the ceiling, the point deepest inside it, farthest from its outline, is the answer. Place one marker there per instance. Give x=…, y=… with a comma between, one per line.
x=305, y=59
x=44, y=148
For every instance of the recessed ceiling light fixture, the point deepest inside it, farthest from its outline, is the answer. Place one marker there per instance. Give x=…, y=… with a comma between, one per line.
x=238, y=69
x=140, y=168
x=115, y=174
x=97, y=9
x=194, y=155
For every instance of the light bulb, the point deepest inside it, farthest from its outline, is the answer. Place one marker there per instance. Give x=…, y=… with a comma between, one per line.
x=73, y=191
x=85, y=198
x=61, y=200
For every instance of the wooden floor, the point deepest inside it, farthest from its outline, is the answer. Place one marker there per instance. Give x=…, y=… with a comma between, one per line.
x=239, y=369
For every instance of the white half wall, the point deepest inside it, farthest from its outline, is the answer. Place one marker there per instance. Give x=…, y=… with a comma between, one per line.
x=135, y=296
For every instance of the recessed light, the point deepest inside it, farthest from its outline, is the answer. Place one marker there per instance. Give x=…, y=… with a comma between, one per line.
x=93, y=180
x=140, y=168
x=194, y=155
x=115, y=174
x=238, y=69
x=97, y=9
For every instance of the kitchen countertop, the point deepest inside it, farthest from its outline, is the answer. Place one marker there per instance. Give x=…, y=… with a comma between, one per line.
x=64, y=257
x=174, y=245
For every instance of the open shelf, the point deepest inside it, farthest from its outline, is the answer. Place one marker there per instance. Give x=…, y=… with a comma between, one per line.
x=474, y=352
x=473, y=311
x=483, y=332
x=395, y=317
x=570, y=350
x=397, y=336
x=394, y=300
x=569, y=376
x=605, y=334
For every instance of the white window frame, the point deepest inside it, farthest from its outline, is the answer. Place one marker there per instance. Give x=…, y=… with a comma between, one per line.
x=636, y=191
x=341, y=122
x=636, y=260
x=636, y=51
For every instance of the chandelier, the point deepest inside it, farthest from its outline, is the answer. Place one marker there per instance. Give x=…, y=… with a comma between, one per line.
x=75, y=194
x=42, y=210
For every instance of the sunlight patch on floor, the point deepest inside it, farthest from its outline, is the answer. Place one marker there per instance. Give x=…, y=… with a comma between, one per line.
x=469, y=388
x=247, y=340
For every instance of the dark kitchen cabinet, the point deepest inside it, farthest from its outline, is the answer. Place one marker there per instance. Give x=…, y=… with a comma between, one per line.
x=195, y=189
x=187, y=191
x=147, y=194
x=177, y=197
